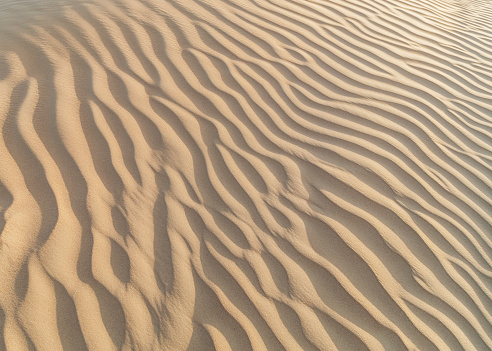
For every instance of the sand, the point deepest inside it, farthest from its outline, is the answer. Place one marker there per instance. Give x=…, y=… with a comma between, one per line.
x=245, y=175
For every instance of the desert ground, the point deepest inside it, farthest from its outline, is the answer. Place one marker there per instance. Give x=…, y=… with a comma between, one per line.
x=245, y=175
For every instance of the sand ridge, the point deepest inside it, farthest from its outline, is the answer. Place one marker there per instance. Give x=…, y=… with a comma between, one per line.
x=246, y=175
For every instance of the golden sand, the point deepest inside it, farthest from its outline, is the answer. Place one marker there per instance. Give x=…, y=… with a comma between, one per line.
x=246, y=175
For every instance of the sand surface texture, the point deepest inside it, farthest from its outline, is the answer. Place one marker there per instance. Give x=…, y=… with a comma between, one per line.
x=246, y=175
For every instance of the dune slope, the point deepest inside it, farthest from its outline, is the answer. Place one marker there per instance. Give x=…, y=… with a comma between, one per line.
x=246, y=175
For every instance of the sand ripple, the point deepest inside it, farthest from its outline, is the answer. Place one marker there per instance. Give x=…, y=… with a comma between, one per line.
x=246, y=175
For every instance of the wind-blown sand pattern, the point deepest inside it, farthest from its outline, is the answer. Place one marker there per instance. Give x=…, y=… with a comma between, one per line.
x=246, y=175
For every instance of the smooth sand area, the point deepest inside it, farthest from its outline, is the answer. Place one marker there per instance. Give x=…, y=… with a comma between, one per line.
x=246, y=175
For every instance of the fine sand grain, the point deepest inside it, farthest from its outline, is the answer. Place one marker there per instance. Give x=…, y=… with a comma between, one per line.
x=246, y=175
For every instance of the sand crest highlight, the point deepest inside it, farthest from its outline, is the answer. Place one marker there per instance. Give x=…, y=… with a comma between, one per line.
x=246, y=175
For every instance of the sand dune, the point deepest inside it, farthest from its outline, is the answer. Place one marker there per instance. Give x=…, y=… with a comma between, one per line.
x=246, y=175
